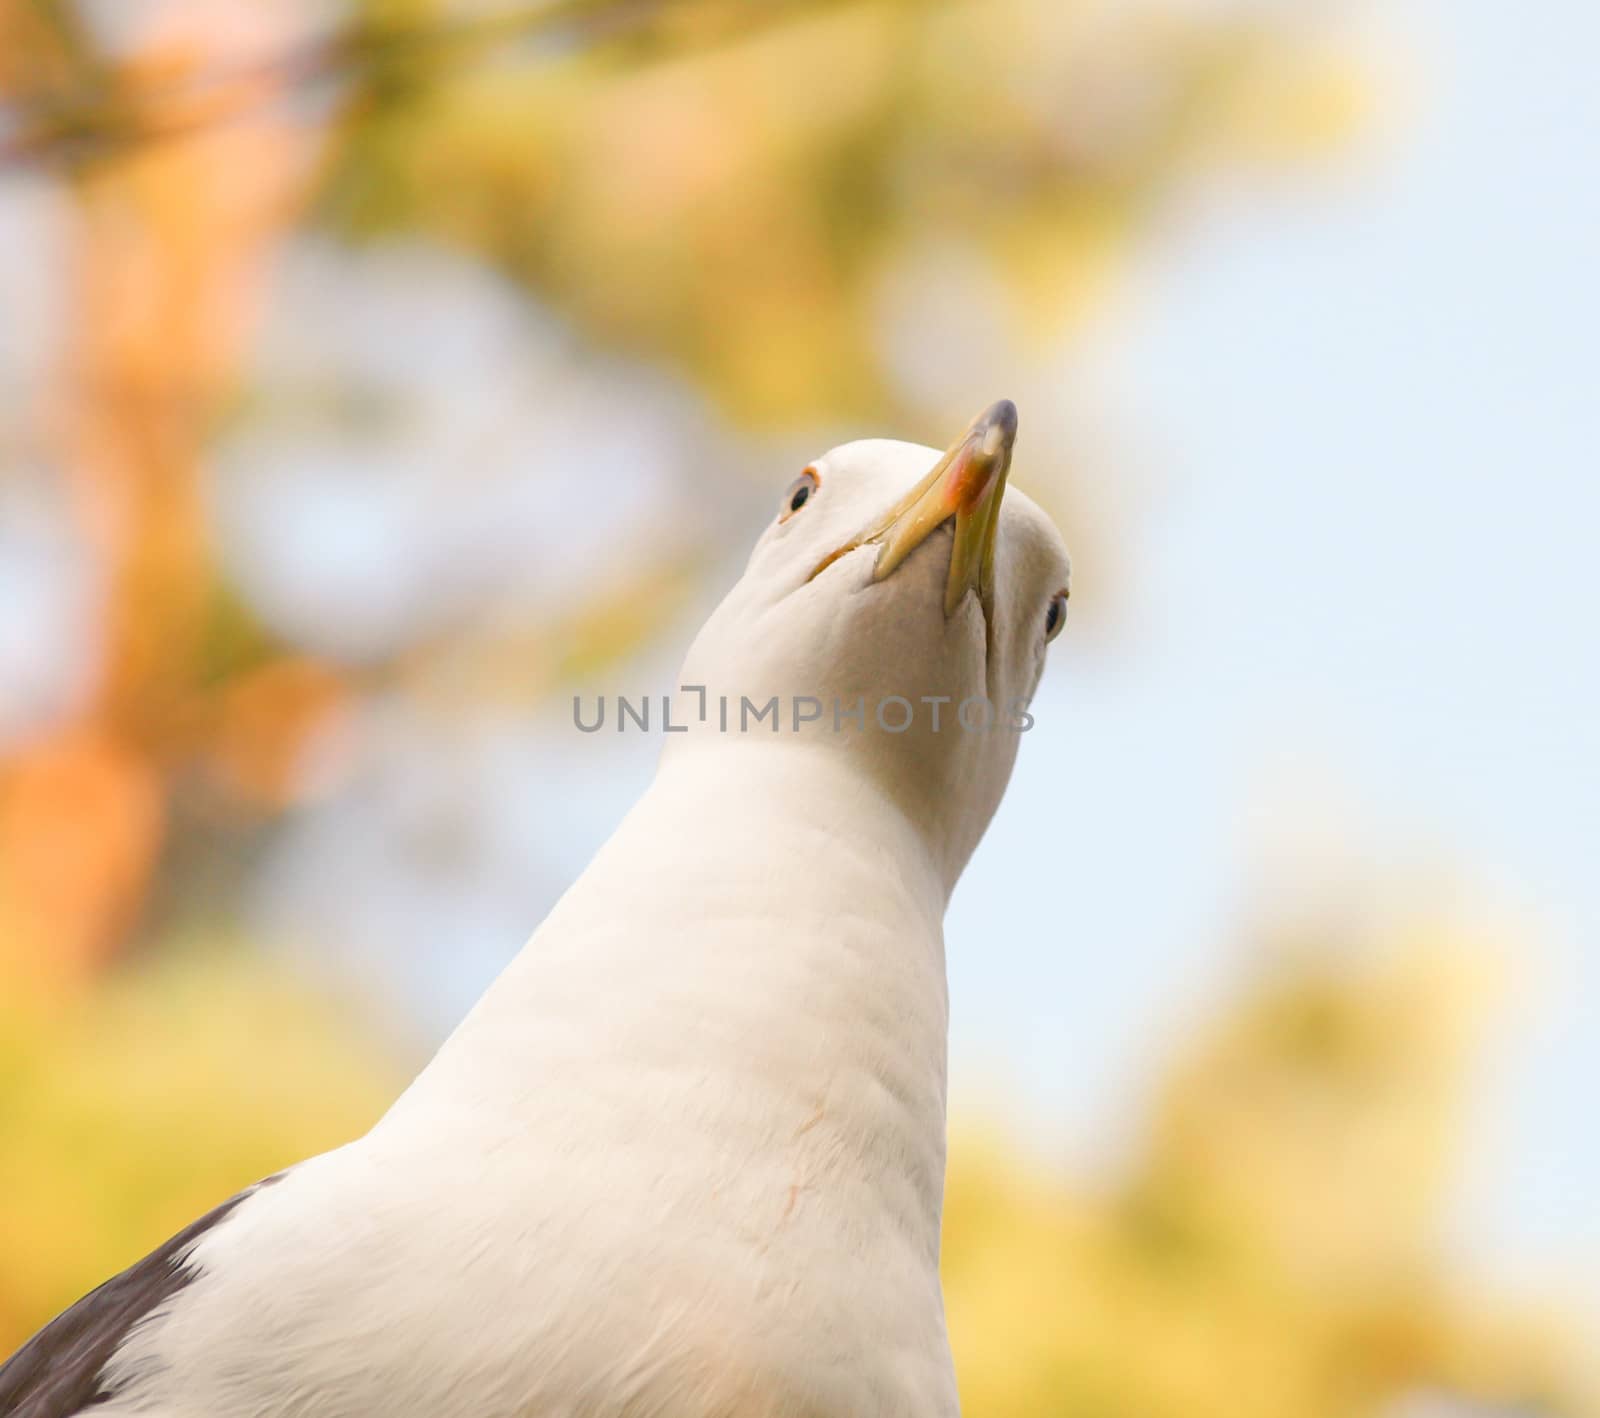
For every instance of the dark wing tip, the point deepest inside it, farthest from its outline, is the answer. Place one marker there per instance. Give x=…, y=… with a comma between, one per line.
x=58, y=1372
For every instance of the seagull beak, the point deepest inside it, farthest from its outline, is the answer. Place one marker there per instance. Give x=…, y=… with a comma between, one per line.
x=967, y=485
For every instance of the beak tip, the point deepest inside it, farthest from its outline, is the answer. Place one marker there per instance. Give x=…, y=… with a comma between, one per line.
x=997, y=426
x=966, y=484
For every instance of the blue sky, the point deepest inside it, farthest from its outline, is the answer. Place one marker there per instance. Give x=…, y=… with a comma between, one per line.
x=1363, y=584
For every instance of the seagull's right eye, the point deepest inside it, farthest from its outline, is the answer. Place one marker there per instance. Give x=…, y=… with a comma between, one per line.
x=800, y=492
x=1055, y=616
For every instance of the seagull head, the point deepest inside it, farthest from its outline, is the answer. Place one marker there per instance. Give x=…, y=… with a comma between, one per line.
x=898, y=606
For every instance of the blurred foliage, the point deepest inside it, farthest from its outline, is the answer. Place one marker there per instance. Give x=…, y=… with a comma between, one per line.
x=131, y=1109
x=738, y=209
x=1275, y=1247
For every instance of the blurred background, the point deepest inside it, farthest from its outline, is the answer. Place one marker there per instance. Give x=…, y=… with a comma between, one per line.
x=377, y=374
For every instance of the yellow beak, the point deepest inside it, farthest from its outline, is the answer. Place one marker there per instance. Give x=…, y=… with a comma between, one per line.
x=967, y=484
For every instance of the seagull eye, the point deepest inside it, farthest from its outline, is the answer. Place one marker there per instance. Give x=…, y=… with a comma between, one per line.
x=1056, y=616
x=800, y=492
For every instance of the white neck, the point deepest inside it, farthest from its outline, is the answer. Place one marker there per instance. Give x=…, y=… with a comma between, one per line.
x=753, y=964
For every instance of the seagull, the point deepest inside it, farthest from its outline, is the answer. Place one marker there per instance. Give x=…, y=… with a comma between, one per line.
x=686, y=1155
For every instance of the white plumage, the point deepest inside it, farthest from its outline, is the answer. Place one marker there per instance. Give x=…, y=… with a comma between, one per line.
x=686, y=1156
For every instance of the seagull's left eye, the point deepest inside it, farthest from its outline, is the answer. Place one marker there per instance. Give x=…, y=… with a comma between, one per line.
x=1056, y=616
x=800, y=492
